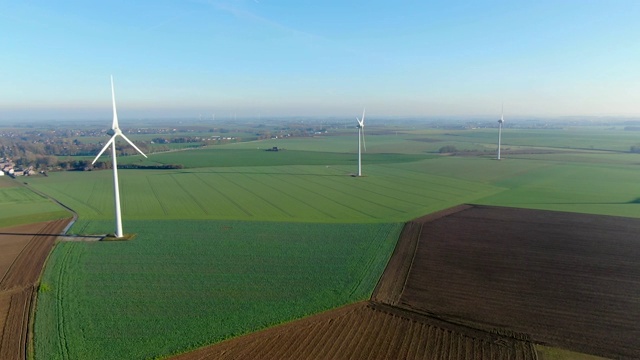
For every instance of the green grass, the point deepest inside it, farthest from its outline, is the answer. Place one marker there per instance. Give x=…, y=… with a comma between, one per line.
x=607, y=189
x=388, y=192
x=19, y=205
x=226, y=156
x=183, y=284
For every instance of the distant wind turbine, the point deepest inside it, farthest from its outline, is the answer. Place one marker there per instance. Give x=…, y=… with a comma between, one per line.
x=114, y=132
x=500, y=122
x=361, y=138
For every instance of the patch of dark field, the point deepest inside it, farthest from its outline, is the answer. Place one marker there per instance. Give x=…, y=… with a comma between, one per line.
x=568, y=280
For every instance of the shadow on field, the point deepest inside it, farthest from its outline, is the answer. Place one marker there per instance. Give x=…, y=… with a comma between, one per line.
x=258, y=173
x=634, y=201
x=61, y=234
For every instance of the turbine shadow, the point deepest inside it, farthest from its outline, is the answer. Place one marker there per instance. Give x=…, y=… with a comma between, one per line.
x=631, y=202
x=259, y=173
x=34, y=234
x=29, y=234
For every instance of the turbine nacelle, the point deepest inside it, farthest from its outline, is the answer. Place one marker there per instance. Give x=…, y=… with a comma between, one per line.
x=115, y=130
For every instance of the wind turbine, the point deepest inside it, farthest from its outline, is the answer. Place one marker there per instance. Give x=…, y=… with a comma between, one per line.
x=361, y=138
x=500, y=122
x=115, y=132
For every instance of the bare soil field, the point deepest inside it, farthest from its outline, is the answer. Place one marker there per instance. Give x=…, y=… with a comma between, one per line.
x=561, y=279
x=24, y=251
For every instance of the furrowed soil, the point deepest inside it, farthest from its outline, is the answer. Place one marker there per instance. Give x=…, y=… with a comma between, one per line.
x=480, y=282
x=23, y=251
x=561, y=279
x=367, y=330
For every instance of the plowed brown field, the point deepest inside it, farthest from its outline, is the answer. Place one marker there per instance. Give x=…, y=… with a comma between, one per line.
x=367, y=331
x=24, y=250
x=564, y=279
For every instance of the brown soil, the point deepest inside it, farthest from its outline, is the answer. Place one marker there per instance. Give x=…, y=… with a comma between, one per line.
x=27, y=248
x=367, y=331
x=563, y=279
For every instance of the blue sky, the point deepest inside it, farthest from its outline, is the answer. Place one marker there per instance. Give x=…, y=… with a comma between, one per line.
x=319, y=58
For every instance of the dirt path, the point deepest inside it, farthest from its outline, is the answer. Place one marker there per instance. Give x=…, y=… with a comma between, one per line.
x=29, y=245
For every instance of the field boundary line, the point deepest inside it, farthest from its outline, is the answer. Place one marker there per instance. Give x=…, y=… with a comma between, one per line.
x=374, y=246
x=47, y=196
x=398, y=267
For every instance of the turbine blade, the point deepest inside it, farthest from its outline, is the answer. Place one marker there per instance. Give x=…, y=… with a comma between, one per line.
x=360, y=123
x=363, y=116
x=364, y=143
x=132, y=144
x=115, y=113
x=104, y=148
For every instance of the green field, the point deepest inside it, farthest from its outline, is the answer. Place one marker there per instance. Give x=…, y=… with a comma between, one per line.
x=183, y=284
x=241, y=239
x=19, y=205
x=303, y=193
x=228, y=156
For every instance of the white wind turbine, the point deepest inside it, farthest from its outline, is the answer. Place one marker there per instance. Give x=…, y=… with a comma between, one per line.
x=114, y=132
x=500, y=122
x=361, y=138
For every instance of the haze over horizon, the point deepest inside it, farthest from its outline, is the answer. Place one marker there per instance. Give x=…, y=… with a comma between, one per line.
x=264, y=58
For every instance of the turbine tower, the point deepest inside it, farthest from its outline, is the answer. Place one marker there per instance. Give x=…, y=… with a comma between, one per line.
x=115, y=132
x=361, y=141
x=500, y=122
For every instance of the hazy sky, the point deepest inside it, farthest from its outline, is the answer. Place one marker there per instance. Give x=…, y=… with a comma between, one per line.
x=325, y=57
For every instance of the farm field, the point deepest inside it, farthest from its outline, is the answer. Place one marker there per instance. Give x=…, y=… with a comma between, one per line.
x=201, y=282
x=303, y=193
x=22, y=206
x=367, y=331
x=561, y=279
x=23, y=250
x=231, y=156
x=456, y=259
x=409, y=315
x=208, y=219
